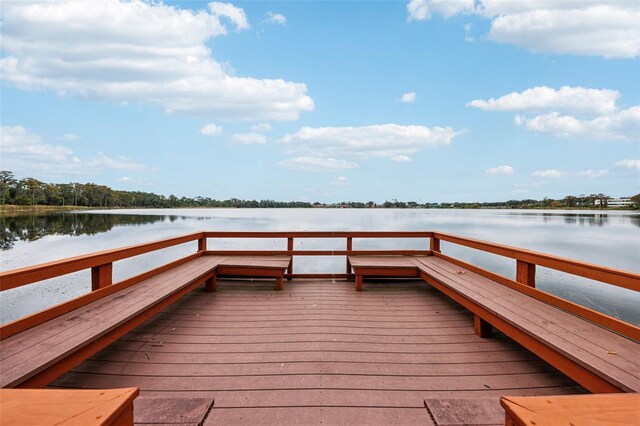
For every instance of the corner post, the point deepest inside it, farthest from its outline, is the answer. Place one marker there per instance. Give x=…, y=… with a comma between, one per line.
x=435, y=244
x=101, y=276
x=349, y=248
x=202, y=244
x=526, y=273
x=290, y=248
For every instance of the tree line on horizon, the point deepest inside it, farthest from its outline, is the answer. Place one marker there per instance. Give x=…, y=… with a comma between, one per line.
x=32, y=192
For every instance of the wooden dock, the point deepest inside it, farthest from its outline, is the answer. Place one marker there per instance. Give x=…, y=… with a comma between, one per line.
x=318, y=350
x=429, y=340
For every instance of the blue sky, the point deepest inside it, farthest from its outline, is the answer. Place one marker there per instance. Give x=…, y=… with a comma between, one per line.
x=326, y=101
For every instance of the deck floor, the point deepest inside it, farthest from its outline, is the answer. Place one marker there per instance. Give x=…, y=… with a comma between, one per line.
x=317, y=352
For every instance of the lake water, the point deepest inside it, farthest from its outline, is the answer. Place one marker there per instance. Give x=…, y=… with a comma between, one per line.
x=607, y=238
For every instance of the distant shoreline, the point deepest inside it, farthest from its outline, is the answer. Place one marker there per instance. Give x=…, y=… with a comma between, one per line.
x=12, y=209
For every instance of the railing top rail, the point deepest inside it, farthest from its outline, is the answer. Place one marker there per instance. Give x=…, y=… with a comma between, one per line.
x=43, y=271
x=620, y=278
x=318, y=234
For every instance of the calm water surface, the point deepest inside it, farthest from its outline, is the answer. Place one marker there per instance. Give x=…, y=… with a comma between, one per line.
x=606, y=238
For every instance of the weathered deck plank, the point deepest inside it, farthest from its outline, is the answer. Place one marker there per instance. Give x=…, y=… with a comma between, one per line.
x=304, y=355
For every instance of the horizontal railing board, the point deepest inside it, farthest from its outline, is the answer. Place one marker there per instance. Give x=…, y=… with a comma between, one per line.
x=620, y=278
x=31, y=274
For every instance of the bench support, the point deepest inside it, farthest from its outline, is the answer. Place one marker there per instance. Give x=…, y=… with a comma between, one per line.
x=482, y=328
x=210, y=284
x=358, y=282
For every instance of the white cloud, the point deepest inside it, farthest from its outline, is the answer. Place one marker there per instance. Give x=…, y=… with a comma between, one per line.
x=376, y=141
x=340, y=181
x=18, y=142
x=275, y=18
x=211, y=129
x=261, y=128
x=628, y=164
x=401, y=158
x=102, y=161
x=467, y=33
x=134, y=51
x=593, y=173
x=589, y=29
x=409, y=97
x=26, y=153
x=551, y=173
x=133, y=182
x=578, y=27
x=501, y=170
x=234, y=14
x=420, y=10
x=559, y=125
x=575, y=100
x=248, y=138
x=316, y=164
x=619, y=126
x=70, y=137
x=570, y=112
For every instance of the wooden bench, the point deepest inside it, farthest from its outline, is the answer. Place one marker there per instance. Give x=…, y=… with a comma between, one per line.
x=36, y=356
x=382, y=266
x=595, y=357
x=87, y=407
x=610, y=410
x=252, y=266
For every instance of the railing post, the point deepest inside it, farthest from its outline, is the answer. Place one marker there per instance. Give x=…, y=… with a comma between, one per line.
x=202, y=244
x=526, y=273
x=349, y=248
x=101, y=276
x=290, y=248
x=435, y=244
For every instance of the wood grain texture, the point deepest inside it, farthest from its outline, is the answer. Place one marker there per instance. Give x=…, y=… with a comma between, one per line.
x=315, y=352
x=611, y=410
x=67, y=407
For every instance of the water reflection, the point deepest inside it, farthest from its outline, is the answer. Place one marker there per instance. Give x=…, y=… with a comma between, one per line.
x=35, y=226
x=582, y=219
x=606, y=238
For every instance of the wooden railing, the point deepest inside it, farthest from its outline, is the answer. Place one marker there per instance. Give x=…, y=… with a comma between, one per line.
x=101, y=265
x=348, y=250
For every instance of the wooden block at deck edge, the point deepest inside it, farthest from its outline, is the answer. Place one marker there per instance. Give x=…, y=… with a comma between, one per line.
x=600, y=409
x=67, y=406
x=465, y=411
x=172, y=410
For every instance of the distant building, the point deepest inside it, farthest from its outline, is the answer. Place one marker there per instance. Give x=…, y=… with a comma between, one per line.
x=616, y=202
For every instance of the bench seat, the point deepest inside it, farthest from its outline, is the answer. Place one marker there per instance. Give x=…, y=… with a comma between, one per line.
x=36, y=356
x=383, y=266
x=252, y=266
x=586, y=352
